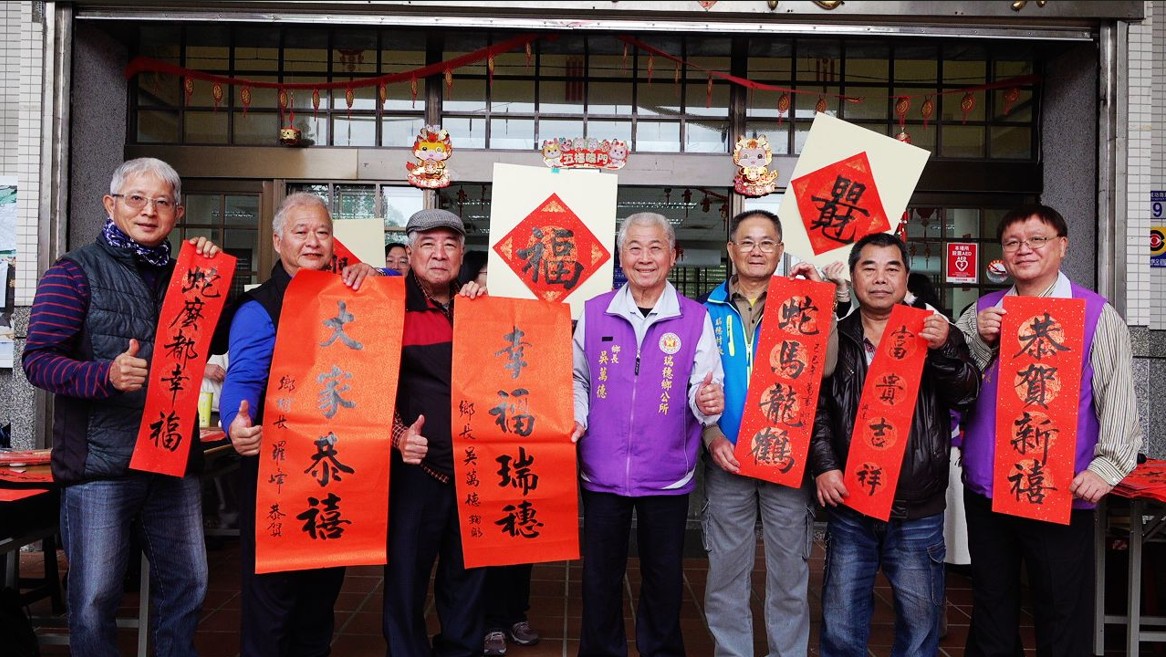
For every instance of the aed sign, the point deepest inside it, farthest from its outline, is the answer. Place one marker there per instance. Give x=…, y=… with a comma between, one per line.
x=963, y=262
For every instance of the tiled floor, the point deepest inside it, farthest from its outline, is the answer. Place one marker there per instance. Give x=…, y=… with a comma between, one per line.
x=555, y=610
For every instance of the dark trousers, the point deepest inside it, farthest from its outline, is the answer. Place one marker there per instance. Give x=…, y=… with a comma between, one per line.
x=423, y=528
x=286, y=614
x=507, y=596
x=607, y=520
x=1059, y=560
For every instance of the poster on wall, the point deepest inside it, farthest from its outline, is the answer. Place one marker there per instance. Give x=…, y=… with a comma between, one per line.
x=848, y=182
x=552, y=234
x=963, y=262
x=7, y=267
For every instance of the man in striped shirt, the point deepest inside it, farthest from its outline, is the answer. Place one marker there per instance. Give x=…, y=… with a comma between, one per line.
x=90, y=338
x=1059, y=558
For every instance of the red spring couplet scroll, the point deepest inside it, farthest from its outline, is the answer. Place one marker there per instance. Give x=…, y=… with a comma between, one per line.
x=882, y=427
x=1038, y=393
x=342, y=256
x=194, y=300
x=512, y=410
x=786, y=375
x=323, y=489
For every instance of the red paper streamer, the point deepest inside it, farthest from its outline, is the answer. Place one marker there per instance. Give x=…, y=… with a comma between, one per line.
x=194, y=299
x=882, y=427
x=778, y=421
x=1038, y=393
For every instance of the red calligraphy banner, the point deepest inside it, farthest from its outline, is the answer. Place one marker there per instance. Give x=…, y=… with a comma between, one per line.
x=194, y=300
x=1038, y=392
x=882, y=427
x=783, y=385
x=514, y=463
x=324, y=465
x=342, y=256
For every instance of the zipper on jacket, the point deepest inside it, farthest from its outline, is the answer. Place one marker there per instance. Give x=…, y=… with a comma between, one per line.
x=627, y=463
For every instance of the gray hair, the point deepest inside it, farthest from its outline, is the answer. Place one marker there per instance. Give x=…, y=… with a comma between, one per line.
x=146, y=165
x=297, y=200
x=411, y=237
x=646, y=219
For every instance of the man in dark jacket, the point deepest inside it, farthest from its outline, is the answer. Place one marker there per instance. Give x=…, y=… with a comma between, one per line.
x=423, y=511
x=909, y=547
x=90, y=339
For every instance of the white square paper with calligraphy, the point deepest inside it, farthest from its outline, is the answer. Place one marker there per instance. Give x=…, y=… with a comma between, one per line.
x=849, y=182
x=552, y=234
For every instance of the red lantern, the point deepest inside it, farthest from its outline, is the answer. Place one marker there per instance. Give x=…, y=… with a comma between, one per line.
x=413, y=90
x=245, y=98
x=928, y=110
x=782, y=107
x=1010, y=98
x=821, y=106
x=967, y=105
x=448, y=78
x=383, y=93
x=903, y=136
x=282, y=99
x=902, y=106
x=188, y=87
x=217, y=93
x=651, y=66
x=349, y=97
x=490, y=69
x=708, y=93
x=315, y=102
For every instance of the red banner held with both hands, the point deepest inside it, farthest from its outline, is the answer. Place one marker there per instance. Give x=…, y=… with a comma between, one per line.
x=882, y=427
x=194, y=300
x=778, y=421
x=512, y=417
x=1038, y=393
x=323, y=489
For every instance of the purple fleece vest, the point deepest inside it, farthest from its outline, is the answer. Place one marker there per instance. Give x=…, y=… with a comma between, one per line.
x=642, y=439
x=979, y=448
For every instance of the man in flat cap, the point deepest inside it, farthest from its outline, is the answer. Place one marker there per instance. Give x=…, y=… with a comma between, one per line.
x=423, y=514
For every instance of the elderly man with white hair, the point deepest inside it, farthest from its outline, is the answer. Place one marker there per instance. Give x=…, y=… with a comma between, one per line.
x=647, y=381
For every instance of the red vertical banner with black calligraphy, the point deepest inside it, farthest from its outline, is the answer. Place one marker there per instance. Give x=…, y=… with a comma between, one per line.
x=882, y=427
x=323, y=489
x=342, y=256
x=194, y=300
x=513, y=414
x=778, y=420
x=1037, y=398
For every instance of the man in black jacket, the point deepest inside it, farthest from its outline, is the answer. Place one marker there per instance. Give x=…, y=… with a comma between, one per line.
x=909, y=547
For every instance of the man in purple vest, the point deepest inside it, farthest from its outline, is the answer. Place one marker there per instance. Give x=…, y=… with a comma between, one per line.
x=1059, y=558
x=647, y=380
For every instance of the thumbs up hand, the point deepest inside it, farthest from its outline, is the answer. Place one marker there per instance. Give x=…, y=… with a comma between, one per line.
x=245, y=438
x=710, y=397
x=415, y=446
x=127, y=372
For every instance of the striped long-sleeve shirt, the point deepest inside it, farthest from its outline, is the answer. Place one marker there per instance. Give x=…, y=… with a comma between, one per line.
x=54, y=326
x=1111, y=357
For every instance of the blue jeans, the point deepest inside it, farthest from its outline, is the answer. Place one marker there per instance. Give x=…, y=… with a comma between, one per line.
x=911, y=554
x=96, y=520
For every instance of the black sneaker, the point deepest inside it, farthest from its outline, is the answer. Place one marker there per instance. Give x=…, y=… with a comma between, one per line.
x=522, y=634
x=494, y=645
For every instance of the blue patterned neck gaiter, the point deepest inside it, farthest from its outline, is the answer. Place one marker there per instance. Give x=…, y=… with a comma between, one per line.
x=115, y=237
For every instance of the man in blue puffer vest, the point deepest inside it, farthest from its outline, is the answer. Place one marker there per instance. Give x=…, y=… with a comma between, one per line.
x=90, y=339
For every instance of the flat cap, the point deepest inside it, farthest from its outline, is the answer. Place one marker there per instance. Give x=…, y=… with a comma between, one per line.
x=426, y=220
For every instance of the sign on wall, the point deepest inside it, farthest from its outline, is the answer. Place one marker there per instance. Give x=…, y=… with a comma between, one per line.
x=963, y=262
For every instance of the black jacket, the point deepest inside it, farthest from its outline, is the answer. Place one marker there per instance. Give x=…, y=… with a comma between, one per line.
x=951, y=381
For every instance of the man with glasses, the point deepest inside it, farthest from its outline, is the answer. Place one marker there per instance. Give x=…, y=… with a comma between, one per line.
x=90, y=339
x=1059, y=558
x=732, y=501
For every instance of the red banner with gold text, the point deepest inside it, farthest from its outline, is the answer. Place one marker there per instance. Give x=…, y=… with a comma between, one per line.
x=512, y=410
x=1037, y=397
x=328, y=412
x=786, y=375
x=194, y=300
x=882, y=427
